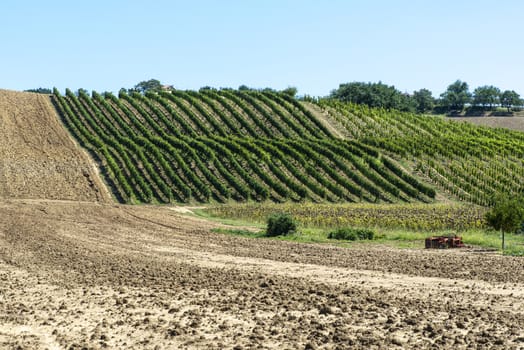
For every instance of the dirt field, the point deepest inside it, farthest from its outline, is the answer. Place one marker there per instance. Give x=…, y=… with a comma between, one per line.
x=38, y=159
x=515, y=123
x=92, y=276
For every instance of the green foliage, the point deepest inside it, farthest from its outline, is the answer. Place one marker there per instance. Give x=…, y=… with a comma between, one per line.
x=424, y=100
x=290, y=91
x=510, y=99
x=373, y=95
x=486, y=96
x=41, y=91
x=507, y=214
x=456, y=96
x=148, y=85
x=280, y=224
x=351, y=234
x=222, y=145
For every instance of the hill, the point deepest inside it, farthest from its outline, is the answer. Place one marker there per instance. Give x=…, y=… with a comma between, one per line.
x=222, y=145
x=39, y=159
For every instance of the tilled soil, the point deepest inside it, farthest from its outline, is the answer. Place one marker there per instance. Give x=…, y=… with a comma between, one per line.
x=92, y=276
x=515, y=123
x=38, y=159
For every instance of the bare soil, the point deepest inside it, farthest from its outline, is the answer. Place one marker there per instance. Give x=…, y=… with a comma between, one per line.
x=515, y=123
x=93, y=276
x=38, y=159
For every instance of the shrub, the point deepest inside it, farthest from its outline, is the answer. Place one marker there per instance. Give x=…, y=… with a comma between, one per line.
x=351, y=234
x=280, y=224
x=507, y=215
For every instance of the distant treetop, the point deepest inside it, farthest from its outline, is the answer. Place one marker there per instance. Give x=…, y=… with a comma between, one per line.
x=147, y=85
x=40, y=91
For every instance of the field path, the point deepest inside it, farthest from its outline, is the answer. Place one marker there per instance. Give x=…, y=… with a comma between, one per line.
x=38, y=158
x=86, y=275
x=329, y=122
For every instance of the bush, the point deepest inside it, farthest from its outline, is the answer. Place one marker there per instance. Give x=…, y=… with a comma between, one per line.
x=351, y=234
x=507, y=215
x=280, y=224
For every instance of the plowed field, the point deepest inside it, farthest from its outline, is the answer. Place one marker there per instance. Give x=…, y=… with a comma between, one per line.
x=515, y=123
x=92, y=276
x=38, y=159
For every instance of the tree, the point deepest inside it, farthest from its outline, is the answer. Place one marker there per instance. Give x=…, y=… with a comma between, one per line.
x=149, y=85
x=424, y=101
x=41, y=91
x=487, y=95
x=291, y=91
x=509, y=99
x=456, y=96
x=507, y=215
x=374, y=95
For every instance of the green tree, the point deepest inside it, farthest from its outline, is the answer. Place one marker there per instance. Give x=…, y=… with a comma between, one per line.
x=374, y=95
x=507, y=215
x=148, y=85
x=291, y=91
x=280, y=224
x=424, y=101
x=456, y=96
x=486, y=96
x=41, y=91
x=510, y=99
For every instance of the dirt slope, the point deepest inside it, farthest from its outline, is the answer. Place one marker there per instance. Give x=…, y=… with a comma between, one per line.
x=91, y=276
x=38, y=159
x=515, y=123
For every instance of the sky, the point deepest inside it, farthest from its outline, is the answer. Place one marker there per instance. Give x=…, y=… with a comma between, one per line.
x=312, y=45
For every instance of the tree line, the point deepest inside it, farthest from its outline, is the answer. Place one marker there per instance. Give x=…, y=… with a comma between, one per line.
x=456, y=99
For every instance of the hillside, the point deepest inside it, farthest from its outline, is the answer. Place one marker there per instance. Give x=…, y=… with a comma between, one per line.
x=222, y=145
x=514, y=123
x=39, y=159
x=463, y=161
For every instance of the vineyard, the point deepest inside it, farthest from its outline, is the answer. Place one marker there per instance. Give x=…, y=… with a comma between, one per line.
x=464, y=162
x=227, y=145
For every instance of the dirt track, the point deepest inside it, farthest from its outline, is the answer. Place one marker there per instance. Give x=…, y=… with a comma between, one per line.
x=84, y=275
x=38, y=159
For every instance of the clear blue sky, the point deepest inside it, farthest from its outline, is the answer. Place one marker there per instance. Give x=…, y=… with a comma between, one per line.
x=311, y=44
